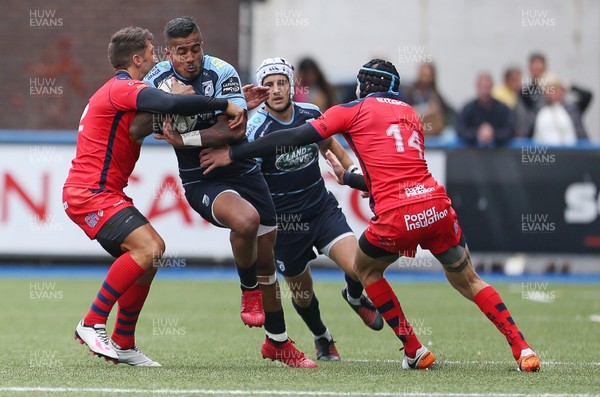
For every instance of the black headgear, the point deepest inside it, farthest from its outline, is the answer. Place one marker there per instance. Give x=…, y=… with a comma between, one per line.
x=378, y=75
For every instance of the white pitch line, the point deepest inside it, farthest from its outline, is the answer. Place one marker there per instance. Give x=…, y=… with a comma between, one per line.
x=362, y=360
x=595, y=318
x=207, y=392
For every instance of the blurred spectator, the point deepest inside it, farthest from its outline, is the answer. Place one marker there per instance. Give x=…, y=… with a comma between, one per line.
x=560, y=122
x=423, y=96
x=508, y=93
x=485, y=121
x=532, y=95
x=312, y=87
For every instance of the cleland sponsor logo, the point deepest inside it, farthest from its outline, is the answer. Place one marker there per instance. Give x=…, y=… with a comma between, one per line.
x=297, y=159
x=424, y=218
x=417, y=190
x=231, y=86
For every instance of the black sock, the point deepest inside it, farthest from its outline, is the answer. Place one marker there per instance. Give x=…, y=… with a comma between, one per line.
x=275, y=323
x=311, y=316
x=355, y=288
x=248, y=281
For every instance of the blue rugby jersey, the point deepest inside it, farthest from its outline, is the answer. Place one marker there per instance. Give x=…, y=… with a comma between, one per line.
x=218, y=79
x=294, y=178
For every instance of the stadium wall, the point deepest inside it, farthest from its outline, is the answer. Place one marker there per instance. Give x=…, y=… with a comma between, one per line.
x=54, y=53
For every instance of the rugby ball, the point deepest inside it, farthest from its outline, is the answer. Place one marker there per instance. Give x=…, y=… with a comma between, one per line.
x=181, y=124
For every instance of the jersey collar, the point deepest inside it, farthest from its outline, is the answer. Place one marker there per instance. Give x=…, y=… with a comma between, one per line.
x=122, y=75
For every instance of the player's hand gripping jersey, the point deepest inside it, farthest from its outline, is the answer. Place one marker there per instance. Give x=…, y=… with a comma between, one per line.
x=387, y=137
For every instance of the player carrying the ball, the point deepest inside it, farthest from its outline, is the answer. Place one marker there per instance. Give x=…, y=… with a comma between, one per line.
x=410, y=207
x=93, y=194
x=235, y=197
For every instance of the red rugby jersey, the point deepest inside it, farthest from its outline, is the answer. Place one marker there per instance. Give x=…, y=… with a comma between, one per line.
x=106, y=155
x=387, y=137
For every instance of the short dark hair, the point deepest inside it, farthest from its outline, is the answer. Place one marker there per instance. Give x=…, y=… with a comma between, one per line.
x=537, y=56
x=125, y=43
x=510, y=71
x=180, y=27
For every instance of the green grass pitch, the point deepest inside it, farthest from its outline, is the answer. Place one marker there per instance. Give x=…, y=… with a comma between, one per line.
x=193, y=328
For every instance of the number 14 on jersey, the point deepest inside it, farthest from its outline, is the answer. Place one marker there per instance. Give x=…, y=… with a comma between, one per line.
x=413, y=141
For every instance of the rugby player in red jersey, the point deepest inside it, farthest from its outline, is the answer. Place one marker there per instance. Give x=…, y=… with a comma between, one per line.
x=410, y=207
x=93, y=194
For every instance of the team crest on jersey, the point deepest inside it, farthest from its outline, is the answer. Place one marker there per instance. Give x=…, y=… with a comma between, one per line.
x=208, y=88
x=297, y=159
x=92, y=219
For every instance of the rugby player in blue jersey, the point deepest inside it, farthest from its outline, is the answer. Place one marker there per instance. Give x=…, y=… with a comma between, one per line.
x=308, y=215
x=236, y=197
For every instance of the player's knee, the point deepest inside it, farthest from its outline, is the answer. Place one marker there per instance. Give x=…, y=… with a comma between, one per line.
x=152, y=249
x=246, y=224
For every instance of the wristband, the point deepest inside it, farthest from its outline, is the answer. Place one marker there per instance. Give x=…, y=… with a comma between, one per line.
x=353, y=169
x=192, y=138
x=346, y=178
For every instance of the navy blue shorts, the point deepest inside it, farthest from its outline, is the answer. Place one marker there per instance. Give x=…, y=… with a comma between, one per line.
x=296, y=236
x=251, y=187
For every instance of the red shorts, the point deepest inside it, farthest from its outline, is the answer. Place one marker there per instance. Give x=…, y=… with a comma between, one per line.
x=431, y=224
x=89, y=210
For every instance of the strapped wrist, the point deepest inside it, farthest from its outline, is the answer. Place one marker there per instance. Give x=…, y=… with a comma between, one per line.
x=353, y=169
x=192, y=138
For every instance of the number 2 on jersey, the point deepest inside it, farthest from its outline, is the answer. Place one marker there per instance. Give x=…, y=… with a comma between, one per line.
x=413, y=141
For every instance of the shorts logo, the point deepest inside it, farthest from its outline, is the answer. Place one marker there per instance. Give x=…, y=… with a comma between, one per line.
x=280, y=265
x=92, y=219
x=65, y=205
x=208, y=88
x=205, y=200
x=417, y=190
x=424, y=218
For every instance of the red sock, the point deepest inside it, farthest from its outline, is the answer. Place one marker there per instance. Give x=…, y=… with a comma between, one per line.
x=130, y=306
x=490, y=303
x=387, y=304
x=121, y=275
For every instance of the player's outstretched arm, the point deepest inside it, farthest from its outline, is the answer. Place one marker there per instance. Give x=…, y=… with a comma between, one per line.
x=276, y=143
x=343, y=177
x=332, y=145
x=153, y=100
